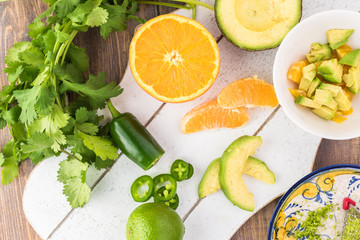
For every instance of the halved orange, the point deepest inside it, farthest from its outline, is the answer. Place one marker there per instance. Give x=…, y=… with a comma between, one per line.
x=174, y=58
x=248, y=92
x=210, y=115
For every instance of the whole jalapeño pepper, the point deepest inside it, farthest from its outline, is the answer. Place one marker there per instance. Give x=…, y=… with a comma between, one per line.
x=133, y=139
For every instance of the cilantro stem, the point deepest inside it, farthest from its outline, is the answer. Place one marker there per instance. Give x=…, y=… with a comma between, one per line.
x=71, y=155
x=197, y=3
x=193, y=8
x=72, y=36
x=164, y=4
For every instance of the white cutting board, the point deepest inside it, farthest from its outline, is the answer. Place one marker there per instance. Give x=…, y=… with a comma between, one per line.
x=287, y=150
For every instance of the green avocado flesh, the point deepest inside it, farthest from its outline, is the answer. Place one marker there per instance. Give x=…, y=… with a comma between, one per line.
x=338, y=37
x=257, y=24
x=253, y=167
x=351, y=58
x=232, y=164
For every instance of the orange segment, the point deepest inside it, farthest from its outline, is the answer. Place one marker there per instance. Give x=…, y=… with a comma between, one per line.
x=248, y=92
x=174, y=58
x=295, y=71
x=210, y=115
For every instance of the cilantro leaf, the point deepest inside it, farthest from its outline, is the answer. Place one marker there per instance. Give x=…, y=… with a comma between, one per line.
x=14, y=71
x=32, y=56
x=101, y=164
x=81, y=115
x=9, y=163
x=95, y=88
x=13, y=53
x=80, y=148
x=12, y=115
x=102, y=147
x=117, y=20
x=38, y=146
x=51, y=124
x=2, y=123
x=64, y=7
x=71, y=168
x=78, y=57
x=10, y=170
x=37, y=142
x=69, y=72
x=72, y=173
x=88, y=128
x=42, y=76
x=27, y=99
x=46, y=99
x=37, y=28
x=80, y=12
x=97, y=17
x=77, y=192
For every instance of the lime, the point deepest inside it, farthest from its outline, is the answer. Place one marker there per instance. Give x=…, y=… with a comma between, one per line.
x=154, y=221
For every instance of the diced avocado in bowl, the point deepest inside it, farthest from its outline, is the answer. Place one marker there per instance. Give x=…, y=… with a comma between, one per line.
x=327, y=82
x=319, y=52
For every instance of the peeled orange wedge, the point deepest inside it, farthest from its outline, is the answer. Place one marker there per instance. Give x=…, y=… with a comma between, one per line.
x=248, y=92
x=210, y=115
x=174, y=58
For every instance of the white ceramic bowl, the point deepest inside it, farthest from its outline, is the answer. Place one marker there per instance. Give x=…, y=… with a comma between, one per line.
x=293, y=48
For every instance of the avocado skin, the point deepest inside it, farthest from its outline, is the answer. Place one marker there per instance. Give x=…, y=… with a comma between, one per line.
x=275, y=45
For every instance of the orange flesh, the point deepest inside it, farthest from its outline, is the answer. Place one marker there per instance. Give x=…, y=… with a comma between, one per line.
x=173, y=58
x=295, y=71
x=210, y=115
x=248, y=92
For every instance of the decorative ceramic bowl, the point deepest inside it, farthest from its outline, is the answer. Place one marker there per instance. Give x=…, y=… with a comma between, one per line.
x=329, y=185
x=293, y=48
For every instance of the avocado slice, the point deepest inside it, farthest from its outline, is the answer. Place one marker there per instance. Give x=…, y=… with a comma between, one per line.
x=331, y=71
x=256, y=25
x=351, y=58
x=324, y=112
x=253, y=167
x=319, y=52
x=313, y=86
x=307, y=102
x=323, y=97
x=332, y=88
x=232, y=163
x=338, y=37
x=308, y=74
x=353, y=78
x=343, y=101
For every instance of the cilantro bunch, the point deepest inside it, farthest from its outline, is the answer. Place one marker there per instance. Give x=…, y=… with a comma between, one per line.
x=50, y=105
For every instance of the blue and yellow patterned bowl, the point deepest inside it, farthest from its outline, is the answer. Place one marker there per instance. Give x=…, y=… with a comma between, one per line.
x=329, y=185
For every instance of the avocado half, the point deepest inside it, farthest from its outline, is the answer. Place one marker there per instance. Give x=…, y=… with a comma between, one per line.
x=257, y=24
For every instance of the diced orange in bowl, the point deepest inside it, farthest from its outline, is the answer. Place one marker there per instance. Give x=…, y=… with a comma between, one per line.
x=295, y=71
x=297, y=92
x=342, y=51
x=174, y=58
x=210, y=115
x=248, y=92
